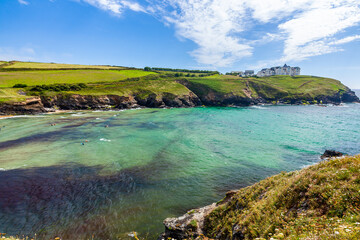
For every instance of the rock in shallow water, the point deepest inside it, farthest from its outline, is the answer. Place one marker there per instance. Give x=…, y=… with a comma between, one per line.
x=331, y=153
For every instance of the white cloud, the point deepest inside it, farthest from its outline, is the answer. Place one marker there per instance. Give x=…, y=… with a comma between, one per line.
x=22, y=54
x=116, y=6
x=212, y=25
x=345, y=40
x=23, y=2
x=224, y=30
x=308, y=33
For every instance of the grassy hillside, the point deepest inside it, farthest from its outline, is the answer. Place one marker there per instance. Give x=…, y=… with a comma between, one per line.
x=307, y=87
x=318, y=202
x=30, y=78
x=131, y=87
x=11, y=95
x=103, y=80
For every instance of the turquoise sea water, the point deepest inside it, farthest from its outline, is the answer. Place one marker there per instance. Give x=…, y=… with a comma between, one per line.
x=105, y=174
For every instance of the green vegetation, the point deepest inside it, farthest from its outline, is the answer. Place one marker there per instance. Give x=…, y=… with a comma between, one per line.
x=19, y=85
x=141, y=88
x=193, y=224
x=318, y=202
x=31, y=78
x=218, y=84
x=58, y=87
x=11, y=95
x=287, y=87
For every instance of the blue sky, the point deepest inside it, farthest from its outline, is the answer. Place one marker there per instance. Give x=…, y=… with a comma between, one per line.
x=322, y=37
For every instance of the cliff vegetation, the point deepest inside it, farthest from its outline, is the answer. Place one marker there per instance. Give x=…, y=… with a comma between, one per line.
x=154, y=87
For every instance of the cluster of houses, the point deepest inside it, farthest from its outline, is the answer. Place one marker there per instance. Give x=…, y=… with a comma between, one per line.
x=266, y=72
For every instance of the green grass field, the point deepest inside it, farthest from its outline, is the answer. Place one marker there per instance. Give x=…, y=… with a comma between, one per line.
x=11, y=95
x=9, y=79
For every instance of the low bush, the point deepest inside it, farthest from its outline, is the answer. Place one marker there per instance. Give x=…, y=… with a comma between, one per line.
x=59, y=87
x=19, y=85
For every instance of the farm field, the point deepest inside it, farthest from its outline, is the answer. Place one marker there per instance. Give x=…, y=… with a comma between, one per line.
x=30, y=78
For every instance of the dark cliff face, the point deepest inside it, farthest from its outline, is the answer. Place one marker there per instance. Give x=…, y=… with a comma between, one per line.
x=86, y=102
x=30, y=106
x=210, y=98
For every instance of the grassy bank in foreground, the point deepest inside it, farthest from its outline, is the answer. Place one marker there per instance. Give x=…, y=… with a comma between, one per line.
x=318, y=202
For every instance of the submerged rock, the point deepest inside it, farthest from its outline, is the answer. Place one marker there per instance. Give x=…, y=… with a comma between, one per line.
x=331, y=153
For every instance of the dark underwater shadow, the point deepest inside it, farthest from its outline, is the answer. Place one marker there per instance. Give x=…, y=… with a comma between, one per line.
x=62, y=200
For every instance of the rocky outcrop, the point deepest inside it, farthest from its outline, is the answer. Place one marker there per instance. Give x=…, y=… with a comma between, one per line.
x=346, y=96
x=331, y=154
x=84, y=102
x=188, y=226
x=29, y=106
x=106, y=102
x=168, y=100
x=191, y=224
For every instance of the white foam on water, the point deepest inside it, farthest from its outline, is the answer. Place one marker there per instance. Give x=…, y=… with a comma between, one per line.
x=78, y=114
x=259, y=107
x=23, y=116
x=2, y=169
x=344, y=105
x=105, y=140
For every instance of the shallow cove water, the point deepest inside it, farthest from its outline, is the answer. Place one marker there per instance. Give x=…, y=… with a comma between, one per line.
x=106, y=174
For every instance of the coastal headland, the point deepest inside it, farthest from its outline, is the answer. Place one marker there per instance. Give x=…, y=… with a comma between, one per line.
x=30, y=88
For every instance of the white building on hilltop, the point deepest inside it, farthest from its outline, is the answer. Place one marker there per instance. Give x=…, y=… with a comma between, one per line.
x=285, y=70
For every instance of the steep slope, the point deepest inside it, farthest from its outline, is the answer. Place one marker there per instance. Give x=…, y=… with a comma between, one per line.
x=224, y=90
x=318, y=202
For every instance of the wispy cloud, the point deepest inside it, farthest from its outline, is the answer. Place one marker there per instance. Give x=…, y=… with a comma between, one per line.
x=23, y=2
x=308, y=33
x=345, y=40
x=24, y=53
x=116, y=6
x=221, y=28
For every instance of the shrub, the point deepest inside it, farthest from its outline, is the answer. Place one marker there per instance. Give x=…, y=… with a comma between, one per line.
x=19, y=85
x=59, y=87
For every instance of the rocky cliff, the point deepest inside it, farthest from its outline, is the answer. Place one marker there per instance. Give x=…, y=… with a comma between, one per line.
x=44, y=104
x=196, y=97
